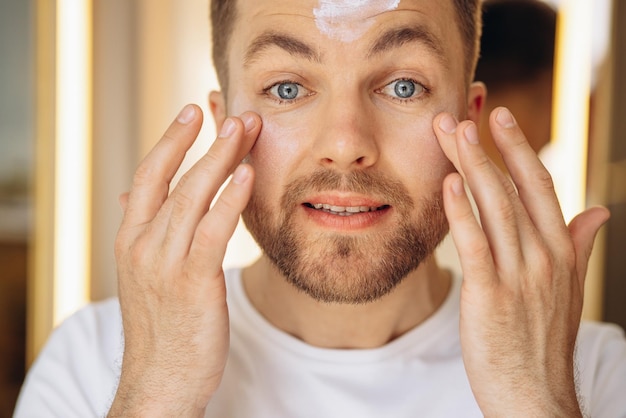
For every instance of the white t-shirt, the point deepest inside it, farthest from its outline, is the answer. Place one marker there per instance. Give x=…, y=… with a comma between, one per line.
x=272, y=374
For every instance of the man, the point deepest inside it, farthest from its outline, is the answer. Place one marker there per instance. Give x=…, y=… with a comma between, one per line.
x=348, y=127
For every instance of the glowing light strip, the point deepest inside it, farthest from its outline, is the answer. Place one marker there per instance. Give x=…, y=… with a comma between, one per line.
x=571, y=102
x=72, y=159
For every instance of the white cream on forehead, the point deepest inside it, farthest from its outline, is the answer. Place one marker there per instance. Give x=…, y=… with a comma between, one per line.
x=347, y=20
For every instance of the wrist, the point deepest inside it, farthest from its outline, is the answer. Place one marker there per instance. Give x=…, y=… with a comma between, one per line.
x=145, y=397
x=149, y=407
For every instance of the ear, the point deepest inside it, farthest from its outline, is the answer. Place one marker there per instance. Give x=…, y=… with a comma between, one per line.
x=476, y=97
x=217, y=104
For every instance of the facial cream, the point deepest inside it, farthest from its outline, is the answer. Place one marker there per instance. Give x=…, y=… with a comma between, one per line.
x=347, y=20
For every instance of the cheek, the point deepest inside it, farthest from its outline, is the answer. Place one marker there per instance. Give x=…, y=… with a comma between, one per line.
x=279, y=144
x=277, y=152
x=415, y=152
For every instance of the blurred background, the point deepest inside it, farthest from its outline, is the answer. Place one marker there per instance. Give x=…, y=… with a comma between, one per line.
x=88, y=86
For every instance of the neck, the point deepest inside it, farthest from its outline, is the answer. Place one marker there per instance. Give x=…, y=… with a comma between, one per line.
x=332, y=325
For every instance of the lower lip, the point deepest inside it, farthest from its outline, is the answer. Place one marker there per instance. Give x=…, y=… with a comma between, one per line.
x=357, y=221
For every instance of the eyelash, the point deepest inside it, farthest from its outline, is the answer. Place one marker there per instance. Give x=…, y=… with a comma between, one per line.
x=418, y=96
x=278, y=100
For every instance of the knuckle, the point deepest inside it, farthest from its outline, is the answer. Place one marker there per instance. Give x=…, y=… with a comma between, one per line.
x=509, y=188
x=466, y=216
x=213, y=157
x=483, y=163
x=505, y=210
x=542, y=261
x=144, y=174
x=212, y=163
x=183, y=197
x=479, y=251
x=205, y=238
x=544, y=181
x=182, y=200
x=139, y=253
x=229, y=204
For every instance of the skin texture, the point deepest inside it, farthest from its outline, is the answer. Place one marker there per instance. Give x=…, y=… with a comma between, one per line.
x=523, y=268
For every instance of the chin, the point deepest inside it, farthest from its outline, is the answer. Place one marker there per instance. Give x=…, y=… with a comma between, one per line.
x=338, y=268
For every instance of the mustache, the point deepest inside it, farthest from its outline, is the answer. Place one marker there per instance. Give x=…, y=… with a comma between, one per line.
x=391, y=191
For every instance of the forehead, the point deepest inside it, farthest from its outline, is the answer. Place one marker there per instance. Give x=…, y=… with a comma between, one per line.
x=346, y=25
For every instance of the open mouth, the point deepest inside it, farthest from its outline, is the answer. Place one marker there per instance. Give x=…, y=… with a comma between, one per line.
x=344, y=210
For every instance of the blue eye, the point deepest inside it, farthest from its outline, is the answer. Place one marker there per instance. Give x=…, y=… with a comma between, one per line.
x=287, y=90
x=403, y=89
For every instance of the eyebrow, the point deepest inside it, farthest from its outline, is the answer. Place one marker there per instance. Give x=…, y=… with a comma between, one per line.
x=393, y=38
x=397, y=37
x=284, y=41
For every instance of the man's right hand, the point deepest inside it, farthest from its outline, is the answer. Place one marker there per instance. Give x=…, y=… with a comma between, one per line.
x=169, y=251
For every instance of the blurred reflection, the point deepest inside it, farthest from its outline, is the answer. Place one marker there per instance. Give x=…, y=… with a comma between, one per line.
x=516, y=64
x=16, y=146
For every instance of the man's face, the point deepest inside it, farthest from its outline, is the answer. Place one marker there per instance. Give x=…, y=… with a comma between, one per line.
x=347, y=199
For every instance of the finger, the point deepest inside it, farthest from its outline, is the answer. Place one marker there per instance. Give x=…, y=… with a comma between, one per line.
x=217, y=226
x=445, y=126
x=499, y=207
x=154, y=174
x=192, y=197
x=469, y=238
x=583, y=229
x=532, y=180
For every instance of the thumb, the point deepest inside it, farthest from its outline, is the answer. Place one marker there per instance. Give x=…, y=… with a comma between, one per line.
x=583, y=229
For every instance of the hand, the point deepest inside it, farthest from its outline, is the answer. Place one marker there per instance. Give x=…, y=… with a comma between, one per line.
x=169, y=252
x=523, y=269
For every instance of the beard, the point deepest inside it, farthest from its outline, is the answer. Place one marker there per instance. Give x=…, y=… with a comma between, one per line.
x=333, y=267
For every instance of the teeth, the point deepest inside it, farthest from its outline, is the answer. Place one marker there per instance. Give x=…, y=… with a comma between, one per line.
x=343, y=210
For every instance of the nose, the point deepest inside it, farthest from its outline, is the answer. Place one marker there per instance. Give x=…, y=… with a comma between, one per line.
x=346, y=136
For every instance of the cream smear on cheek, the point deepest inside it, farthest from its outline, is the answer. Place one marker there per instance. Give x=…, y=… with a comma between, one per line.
x=347, y=20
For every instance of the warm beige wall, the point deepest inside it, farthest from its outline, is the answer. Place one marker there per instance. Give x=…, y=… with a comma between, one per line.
x=114, y=132
x=151, y=58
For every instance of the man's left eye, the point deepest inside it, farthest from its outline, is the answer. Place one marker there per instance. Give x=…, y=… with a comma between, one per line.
x=403, y=89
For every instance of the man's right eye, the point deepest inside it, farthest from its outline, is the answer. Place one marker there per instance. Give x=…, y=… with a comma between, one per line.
x=288, y=91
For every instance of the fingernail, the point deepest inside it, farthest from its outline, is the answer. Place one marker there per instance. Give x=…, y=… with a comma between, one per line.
x=241, y=174
x=505, y=118
x=186, y=115
x=248, y=121
x=471, y=134
x=228, y=128
x=447, y=124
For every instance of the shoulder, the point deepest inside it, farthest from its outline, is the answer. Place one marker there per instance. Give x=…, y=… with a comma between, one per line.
x=601, y=363
x=76, y=372
x=600, y=344
x=591, y=333
x=97, y=327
